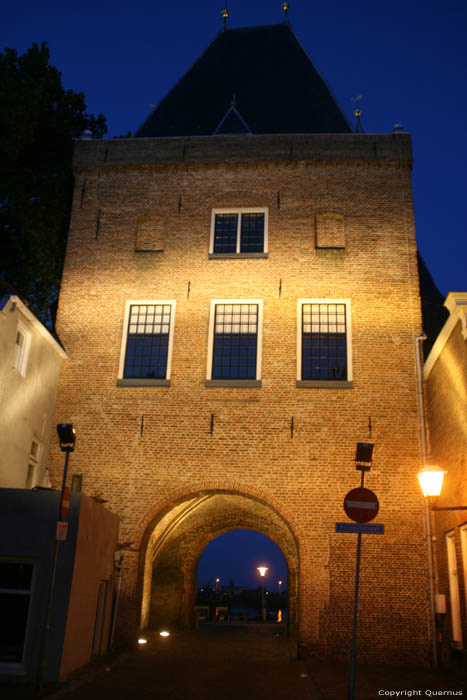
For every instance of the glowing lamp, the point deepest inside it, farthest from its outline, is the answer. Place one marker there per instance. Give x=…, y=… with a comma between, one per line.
x=262, y=570
x=431, y=480
x=164, y=633
x=142, y=641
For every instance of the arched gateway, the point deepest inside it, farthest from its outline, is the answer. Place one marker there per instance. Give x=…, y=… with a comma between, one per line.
x=175, y=539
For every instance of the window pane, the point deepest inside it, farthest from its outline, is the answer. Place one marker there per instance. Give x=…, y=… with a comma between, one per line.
x=15, y=575
x=252, y=233
x=14, y=616
x=225, y=233
x=235, y=344
x=148, y=342
x=324, y=342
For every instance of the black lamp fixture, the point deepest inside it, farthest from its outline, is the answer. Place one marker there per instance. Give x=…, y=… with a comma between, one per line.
x=364, y=452
x=66, y=437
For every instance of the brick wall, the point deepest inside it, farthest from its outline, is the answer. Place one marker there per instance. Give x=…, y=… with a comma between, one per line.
x=152, y=469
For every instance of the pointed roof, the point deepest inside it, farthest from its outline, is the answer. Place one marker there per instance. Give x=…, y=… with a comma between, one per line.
x=434, y=313
x=278, y=90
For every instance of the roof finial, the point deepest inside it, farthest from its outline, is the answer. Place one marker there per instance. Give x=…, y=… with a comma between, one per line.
x=358, y=113
x=286, y=7
x=225, y=14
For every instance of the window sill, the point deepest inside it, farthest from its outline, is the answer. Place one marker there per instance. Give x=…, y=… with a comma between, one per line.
x=143, y=382
x=235, y=256
x=232, y=383
x=324, y=384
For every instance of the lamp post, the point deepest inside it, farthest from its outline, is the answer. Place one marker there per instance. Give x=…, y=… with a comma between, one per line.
x=280, y=584
x=431, y=482
x=262, y=572
x=66, y=438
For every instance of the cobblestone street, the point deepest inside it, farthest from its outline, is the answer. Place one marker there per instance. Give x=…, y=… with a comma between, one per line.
x=229, y=662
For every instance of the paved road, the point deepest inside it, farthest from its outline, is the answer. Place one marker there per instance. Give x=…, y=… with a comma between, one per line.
x=218, y=662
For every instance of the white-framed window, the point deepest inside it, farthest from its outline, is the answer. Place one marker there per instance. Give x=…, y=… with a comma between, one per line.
x=16, y=587
x=454, y=588
x=235, y=342
x=147, y=343
x=239, y=232
x=22, y=347
x=33, y=464
x=324, y=343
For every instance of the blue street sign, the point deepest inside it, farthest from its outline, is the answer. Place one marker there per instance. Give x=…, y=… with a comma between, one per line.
x=365, y=528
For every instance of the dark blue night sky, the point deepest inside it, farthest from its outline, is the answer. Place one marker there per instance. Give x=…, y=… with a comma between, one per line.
x=235, y=557
x=408, y=60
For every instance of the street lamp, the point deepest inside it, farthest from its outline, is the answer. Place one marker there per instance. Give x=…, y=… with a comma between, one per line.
x=431, y=482
x=262, y=572
x=280, y=584
x=66, y=439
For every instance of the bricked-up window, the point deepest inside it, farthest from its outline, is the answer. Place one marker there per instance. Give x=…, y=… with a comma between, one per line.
x=330, y=231
x=241, y=232
x=150, y=234
x=235, y=341
x=324, y=352
x=147, y=342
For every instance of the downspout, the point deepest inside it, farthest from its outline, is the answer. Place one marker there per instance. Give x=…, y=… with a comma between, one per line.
x=421, y=417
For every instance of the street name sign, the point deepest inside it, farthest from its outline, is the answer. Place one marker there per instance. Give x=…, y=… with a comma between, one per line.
x=360, y=528
x=361, y=505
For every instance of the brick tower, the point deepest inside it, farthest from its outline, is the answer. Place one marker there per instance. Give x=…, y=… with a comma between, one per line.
x=239, y=297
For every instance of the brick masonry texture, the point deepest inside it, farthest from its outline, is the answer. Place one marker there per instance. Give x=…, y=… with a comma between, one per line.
x=174, y=481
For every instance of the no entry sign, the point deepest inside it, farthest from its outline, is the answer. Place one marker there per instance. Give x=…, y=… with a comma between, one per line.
x=361, y=505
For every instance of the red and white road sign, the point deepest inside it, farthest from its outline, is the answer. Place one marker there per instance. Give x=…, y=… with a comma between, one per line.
x=361, y=505
x=65, y=506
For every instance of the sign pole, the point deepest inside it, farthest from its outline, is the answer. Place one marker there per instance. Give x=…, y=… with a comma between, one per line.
x=351, y=681
x=353, y=648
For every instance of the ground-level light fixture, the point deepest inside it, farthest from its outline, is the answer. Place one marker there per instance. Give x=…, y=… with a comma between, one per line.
x=164, y=633
x=142, y=641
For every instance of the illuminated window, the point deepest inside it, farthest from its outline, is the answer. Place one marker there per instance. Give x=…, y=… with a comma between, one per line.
x=235, y=343
x=22, y=345
x=239, y=233
x=147, y=343
x=16, y=580
x=324, y=349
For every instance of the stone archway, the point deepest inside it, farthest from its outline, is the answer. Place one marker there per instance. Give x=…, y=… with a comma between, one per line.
x=176, y=540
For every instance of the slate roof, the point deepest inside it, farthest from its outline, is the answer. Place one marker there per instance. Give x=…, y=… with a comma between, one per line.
x=434, y=313
x=266, y=72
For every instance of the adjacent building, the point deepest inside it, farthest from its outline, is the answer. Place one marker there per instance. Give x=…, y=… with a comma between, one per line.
x=30, y=361
x=445, y=374
x=56, y=599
